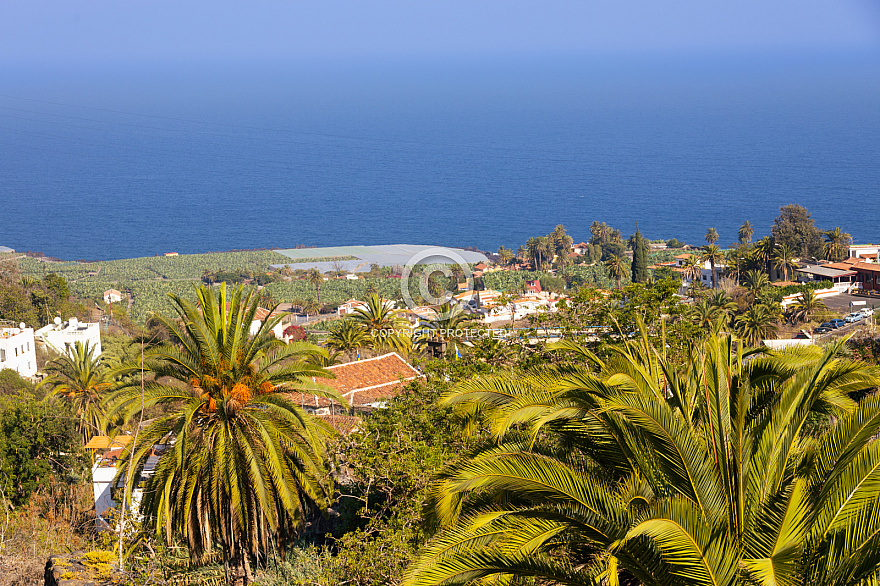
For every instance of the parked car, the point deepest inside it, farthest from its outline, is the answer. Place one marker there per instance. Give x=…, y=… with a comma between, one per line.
x=837, y=323
x=823, y=329
x=867, y=311
x=853, y=317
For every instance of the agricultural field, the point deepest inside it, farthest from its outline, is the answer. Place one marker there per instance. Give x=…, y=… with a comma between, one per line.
x=150, y=279
x=182, y=267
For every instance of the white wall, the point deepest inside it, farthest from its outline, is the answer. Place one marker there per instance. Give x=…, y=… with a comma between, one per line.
x=63, y=338
x=17, y=351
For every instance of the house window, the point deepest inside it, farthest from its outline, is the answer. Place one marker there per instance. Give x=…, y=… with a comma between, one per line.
x=16, y=350
x=28, y=346
x=2, y=355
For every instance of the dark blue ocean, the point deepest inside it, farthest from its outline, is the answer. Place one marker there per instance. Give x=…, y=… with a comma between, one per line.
x=110, y=162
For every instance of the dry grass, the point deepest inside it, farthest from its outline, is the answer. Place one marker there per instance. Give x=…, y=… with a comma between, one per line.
x=58, y=519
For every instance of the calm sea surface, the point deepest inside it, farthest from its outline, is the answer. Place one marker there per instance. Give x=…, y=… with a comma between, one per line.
x=114, y=163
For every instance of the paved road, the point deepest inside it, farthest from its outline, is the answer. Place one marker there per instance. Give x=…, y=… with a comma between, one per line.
x=847, y=329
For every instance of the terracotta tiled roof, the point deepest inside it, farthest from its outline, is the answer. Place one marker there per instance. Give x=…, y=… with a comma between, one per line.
x=683, y=256
x=365, y=381
x=866, y=267
x=262, y=313
x=344, y=424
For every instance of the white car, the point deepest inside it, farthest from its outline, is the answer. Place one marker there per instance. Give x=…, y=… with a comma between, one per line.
x=866, y=311
x=853, y=317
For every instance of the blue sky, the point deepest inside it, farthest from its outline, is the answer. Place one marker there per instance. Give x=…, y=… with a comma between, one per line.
x=95, y=31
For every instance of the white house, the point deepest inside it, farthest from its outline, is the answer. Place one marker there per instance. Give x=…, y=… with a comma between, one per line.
x=112, y=296
x=263, y=314
x=17, y=349
x=865, y=252
x=107, y=454
x=62, y=337
x=704, y=267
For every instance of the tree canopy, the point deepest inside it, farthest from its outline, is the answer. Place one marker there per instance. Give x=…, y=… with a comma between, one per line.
x=796, y=229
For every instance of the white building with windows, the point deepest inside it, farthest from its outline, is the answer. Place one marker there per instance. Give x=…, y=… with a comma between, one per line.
x=62, y=337
x=17, y=351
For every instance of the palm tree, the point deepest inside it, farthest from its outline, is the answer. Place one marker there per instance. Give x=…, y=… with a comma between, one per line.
x=540, y=251
x=706, y=314
x=561, y=242
x=723, y=302
x=617, y=267
x=506, y=256
x=757, y=324
x=692, y=269
x=711, y=236
x=836, y=244
x=316, y=279
x=664, y=472
x=311, y=307
x=449, y=324
x=745, y=233
x=713, y=254
x=755, y=282
x=347, y=336
x=601, y=233
x=81, y=379
x=783, y=259
x=382, y=324
x=735, y=259
x=246, y=465
x=806, y=305
x=764, y=250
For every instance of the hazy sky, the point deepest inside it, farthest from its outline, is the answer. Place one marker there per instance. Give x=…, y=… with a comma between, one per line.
x=75, y=31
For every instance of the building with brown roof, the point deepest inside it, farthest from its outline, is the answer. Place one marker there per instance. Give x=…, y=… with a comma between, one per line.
x=365, y=384
x=867, y=274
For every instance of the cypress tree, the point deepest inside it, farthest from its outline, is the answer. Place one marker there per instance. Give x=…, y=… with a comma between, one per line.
x=640, y=258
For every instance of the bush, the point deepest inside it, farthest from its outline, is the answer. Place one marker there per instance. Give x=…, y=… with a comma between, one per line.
x=811, y=286
x=38, y=441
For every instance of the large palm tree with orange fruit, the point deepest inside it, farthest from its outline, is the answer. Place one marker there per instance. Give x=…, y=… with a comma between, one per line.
x=244, y=465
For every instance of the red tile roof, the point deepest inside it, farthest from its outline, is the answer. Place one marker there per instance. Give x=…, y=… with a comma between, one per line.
x=365, y=381
x=866, y=267
x=344, y=424
x=262, y=313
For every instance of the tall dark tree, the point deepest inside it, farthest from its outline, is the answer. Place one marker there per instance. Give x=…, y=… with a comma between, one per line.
x=746, y=232
x=795, y=228
x=836, y=244
x=713, y=254
x=248, y=465
x=617, y=268
x=316, y=279
x=640, y=257
x=711, y=236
